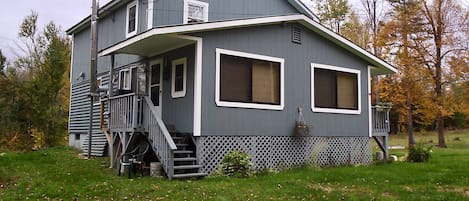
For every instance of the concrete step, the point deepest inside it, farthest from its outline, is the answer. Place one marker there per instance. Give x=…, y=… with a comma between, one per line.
x=186, y=167
x=189, y=175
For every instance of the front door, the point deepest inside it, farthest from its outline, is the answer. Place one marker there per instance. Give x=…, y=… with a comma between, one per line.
x=156, y=80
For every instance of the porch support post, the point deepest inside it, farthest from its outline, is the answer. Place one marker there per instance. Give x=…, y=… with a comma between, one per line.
x=112, y=151
x=386, y=150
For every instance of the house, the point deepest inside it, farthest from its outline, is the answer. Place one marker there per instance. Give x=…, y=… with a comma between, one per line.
x=199, y=78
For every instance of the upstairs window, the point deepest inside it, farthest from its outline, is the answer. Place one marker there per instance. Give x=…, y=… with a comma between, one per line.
x=195, y=11
x=249, y=81
x=131, y=19
x=335, y=89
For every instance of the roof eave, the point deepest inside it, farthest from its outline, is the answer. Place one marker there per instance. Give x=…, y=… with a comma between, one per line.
x=103, y=11
x=384, y=67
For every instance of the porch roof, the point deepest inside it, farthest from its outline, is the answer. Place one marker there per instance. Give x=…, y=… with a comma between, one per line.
x=149, y=42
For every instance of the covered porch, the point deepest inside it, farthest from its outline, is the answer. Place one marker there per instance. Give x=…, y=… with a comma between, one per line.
x=137, y=109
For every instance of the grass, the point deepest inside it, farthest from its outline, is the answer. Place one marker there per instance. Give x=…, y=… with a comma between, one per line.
x=58, y=173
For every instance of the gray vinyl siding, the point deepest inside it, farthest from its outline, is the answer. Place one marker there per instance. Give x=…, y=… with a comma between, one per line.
x=111, y=30
x=79, y=118
x=275, y=41
x=170, y=12
x=224, y=10
x=167, y=12
x=179, y=112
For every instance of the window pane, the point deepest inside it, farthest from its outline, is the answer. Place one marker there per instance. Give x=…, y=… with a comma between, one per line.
x=266, y=82
x=155, y=95
x=133, y=79
x=249, y=80
x=155, y=74
x=179, y=78
x=132, y=18
x=235, y=79
x=347, y=91
x=325, y=88
x=196, y=12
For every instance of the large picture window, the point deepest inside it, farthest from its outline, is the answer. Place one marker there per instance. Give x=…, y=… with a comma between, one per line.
x=131, y=19
x=249, y=80
x=335, y=89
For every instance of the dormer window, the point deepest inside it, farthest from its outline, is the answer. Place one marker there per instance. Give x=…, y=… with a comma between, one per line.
x=131, y=19
x=195, y=11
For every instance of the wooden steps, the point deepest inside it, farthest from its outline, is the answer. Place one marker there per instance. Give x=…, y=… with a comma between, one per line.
x=184, y=158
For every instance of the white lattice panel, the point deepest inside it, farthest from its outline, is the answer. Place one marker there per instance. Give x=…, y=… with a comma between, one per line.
x=285, y=152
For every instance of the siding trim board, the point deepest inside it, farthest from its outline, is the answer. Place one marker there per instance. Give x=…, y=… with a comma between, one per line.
x=222, y=103
x=123, y=47
x=333, y=110
x=370, y=118
x=150, y=11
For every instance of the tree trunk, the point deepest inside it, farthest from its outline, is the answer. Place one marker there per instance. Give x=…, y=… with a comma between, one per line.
x=441, y=132
x=410, y=120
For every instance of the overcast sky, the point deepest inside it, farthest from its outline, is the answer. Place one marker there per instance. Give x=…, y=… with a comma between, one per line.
x=63, y=12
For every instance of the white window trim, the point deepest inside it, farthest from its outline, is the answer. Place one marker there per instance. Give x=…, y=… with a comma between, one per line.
x=129, y=80
x=185, y=17
x=129, y=5
x=150, y=11
x=100, y=79
x=174, y=93
x=333, y=110
x=249, y=105
x=370, y=117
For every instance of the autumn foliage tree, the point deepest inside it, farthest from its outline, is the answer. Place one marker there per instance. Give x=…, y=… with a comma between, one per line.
x=446, y=25
x=332, y=13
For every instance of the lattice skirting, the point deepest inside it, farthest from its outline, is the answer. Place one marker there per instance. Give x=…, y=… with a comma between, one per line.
x=285, y=152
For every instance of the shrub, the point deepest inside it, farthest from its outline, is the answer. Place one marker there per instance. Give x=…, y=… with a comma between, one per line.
x=419, y=153
x=236, y=164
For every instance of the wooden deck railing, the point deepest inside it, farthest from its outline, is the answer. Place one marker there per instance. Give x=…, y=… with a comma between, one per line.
x=380, y=120
x=158, y=136
x=123, y=115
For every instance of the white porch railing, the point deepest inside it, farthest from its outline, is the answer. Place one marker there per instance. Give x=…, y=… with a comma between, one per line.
x=123, y=115
x=380, y=120
x=159, y=137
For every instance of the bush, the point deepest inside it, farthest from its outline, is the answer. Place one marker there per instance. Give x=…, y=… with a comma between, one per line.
x=236, y=164
x=419, y=153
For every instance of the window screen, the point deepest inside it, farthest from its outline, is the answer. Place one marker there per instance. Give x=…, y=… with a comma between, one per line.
x=132, y=19
x=249, y=80
x=179, y=78
x=334, y=89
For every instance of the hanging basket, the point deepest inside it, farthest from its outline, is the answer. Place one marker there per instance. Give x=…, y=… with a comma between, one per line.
x=301, y=129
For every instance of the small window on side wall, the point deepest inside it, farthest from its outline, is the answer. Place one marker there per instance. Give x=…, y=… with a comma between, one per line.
x=131, y=19
x=125, y=79
x=195, y=11
x=335, y=89
x=178, y=78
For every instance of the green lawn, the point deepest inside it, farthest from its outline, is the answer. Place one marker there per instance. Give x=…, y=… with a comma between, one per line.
x=59, y=174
